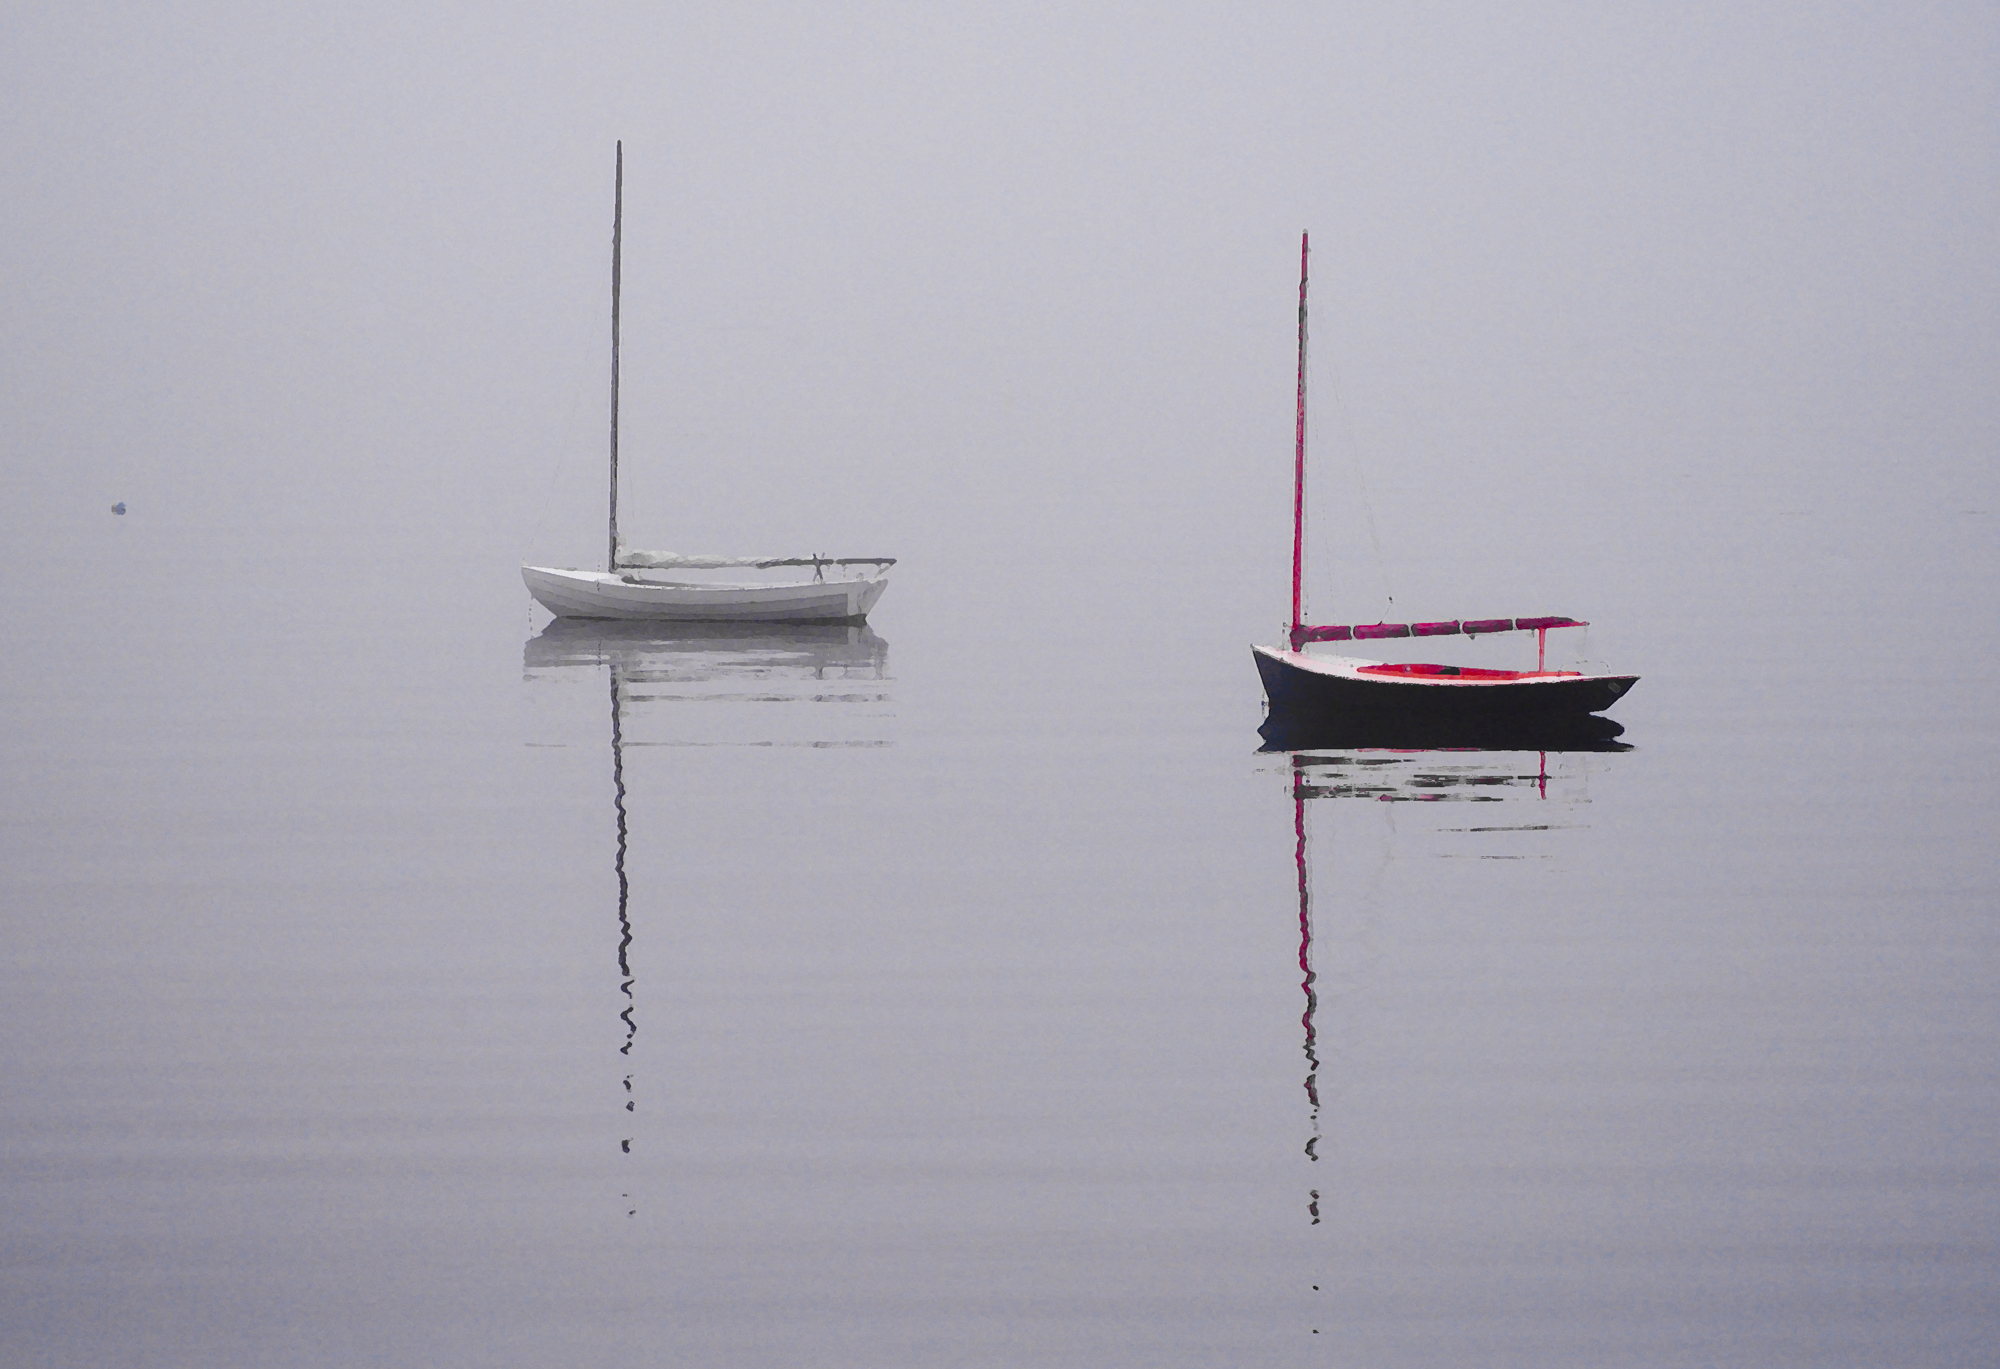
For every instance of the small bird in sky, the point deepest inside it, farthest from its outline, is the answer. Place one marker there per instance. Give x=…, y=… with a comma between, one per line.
x=119, y=507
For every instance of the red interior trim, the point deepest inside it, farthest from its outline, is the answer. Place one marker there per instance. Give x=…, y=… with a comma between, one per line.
x=1456, y=672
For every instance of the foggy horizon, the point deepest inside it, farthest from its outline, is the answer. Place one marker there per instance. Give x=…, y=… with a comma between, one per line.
x=966, y=948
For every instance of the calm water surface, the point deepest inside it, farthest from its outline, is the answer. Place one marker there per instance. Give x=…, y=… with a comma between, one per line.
x=394, y=978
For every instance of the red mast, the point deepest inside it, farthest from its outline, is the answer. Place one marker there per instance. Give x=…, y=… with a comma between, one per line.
x=1299, y=470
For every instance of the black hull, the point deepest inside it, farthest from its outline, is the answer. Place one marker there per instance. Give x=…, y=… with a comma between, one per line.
x=1335, y=710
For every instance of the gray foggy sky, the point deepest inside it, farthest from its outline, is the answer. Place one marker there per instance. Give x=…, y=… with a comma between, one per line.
x=1604, y=295
x=987, y=1033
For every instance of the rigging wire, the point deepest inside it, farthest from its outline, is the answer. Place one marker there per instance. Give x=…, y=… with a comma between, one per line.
x=1352, y=443
x=1358, y=468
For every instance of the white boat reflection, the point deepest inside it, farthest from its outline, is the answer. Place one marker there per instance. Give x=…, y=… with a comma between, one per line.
x=708, y=684
x=734, y=649
x=703, y=684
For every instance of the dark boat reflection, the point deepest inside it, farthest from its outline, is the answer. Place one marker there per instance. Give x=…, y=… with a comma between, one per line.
x=747, y=665
x=1399, y=764
x=1585, y=732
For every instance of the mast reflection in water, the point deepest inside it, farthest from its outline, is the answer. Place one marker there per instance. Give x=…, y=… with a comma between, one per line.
x=728, y=674
x=1374, y=768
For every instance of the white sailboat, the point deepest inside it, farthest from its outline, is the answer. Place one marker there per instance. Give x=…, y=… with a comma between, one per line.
x=658, y=586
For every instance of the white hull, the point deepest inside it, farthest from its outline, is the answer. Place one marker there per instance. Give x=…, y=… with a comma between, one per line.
x=596, y=594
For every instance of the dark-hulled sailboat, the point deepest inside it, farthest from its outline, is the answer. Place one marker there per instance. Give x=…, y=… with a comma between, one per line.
x=1427, y=704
